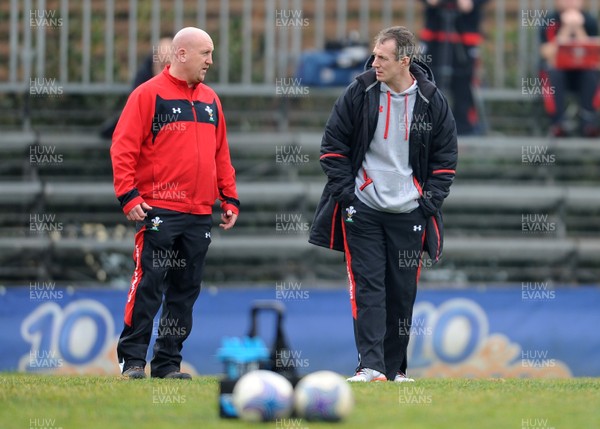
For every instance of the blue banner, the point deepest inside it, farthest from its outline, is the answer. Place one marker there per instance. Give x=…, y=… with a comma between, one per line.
x=530, y=330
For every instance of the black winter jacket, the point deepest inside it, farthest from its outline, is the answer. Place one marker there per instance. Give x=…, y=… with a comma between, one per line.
x=348, y=133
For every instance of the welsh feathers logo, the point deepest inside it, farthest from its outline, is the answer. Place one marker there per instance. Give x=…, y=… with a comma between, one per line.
x=210, y=113
x=349, y=213
x=155, y=223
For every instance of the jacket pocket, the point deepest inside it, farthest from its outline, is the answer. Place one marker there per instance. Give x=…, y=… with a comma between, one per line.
x=326, y=228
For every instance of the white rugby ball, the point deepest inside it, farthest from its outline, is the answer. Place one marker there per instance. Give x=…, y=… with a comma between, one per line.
x=263, y=396
x=323, y=395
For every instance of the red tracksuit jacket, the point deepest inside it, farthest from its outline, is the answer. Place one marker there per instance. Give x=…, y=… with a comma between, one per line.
x=170, y=149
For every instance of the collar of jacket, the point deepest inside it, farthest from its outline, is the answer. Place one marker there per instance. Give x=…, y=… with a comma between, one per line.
x=421, y=72
x=178, y=82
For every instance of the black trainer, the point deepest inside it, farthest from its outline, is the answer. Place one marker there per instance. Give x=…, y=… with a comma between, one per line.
x=134, y=372
x=178, y=375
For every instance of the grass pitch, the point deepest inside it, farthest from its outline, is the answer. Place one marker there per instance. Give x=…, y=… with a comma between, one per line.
x=78, y=402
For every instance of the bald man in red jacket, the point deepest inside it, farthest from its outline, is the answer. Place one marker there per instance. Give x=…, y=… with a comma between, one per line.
x=171, y=162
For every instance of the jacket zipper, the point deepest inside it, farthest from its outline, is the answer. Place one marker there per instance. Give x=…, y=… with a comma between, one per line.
x=387, y=116
x=197, y=148
x=406, y=117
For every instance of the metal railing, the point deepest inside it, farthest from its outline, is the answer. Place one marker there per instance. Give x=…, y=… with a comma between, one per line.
x=94, y=46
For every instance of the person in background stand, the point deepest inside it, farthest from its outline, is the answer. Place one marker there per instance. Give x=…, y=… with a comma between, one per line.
x=152, y=65
x=567, y=24
x=451, y=38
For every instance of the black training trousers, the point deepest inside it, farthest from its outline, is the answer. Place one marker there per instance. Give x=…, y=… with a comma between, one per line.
x=170, y=248
x=383, y=258
x=453, y=66
x=557, y=83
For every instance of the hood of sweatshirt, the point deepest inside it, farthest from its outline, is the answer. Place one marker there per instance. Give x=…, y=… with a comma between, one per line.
x=420, y=70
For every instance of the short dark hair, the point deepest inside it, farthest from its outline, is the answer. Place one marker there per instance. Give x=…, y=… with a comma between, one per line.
x=406, y=42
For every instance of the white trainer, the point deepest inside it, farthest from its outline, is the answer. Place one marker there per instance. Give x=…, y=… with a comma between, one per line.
x=402, y=378
x=366, y=375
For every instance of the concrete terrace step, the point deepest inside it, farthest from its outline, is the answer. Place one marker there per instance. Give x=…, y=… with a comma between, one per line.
x=484, y=149
x=464, y=196
x=517, y=249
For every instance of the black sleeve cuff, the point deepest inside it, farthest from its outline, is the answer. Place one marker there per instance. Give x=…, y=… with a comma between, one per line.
x=125, y=198
x=230, y=200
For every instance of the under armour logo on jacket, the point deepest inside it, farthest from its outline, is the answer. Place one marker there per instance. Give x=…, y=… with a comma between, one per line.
x=416, y=227
x=207, y=235
x=176, y=109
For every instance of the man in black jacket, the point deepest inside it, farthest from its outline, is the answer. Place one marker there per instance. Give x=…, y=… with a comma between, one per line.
x=389, y=152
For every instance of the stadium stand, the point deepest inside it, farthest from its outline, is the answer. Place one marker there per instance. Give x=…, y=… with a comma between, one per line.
x=523, y=208
x=487, y=236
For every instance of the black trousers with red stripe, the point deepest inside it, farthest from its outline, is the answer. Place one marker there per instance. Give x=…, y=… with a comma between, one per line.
x=583, y=83
x=383, y=257
x=170, y=249
x=453, y=66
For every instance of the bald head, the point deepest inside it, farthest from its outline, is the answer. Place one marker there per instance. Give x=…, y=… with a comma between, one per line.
x=569, y=4
x=192, y=55
x=187, y=36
